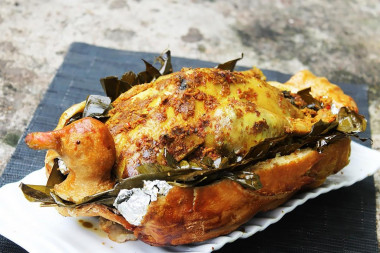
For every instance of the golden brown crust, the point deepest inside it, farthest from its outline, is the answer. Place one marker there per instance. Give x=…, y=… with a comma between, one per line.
x=333, y=159
x=321, y=89
x=189, y=215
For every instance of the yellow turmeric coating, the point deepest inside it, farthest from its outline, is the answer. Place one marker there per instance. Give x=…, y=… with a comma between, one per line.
x=192, y=113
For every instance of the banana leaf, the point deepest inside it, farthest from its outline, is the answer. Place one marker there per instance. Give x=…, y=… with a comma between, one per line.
x=166, y=63
x=311, y=102
x=350, y=121
x=229, y=65
x=37, y=193
x=114, y=87
x=55, y=177
x=247, y=179
x=151, y=168
x=111, y=86
x=97, y=106
x=43, y=193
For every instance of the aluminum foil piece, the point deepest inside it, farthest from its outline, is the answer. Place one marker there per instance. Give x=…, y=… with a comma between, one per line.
x=62, y=167
x=133, y=204
x=334, y=109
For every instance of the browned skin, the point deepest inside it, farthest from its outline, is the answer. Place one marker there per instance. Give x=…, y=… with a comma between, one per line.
x=88, y=150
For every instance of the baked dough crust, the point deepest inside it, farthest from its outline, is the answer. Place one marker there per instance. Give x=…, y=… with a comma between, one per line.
x=188, y=215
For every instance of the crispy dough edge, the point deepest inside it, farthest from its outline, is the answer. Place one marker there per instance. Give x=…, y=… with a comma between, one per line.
x=188, y=215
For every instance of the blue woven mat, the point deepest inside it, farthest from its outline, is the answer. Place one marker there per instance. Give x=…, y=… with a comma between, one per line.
x=340, y=221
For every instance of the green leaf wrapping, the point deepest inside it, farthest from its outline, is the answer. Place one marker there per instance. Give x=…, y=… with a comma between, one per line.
x=55, y=177
x=42, y=193
x=37, y=193
x=111, y=86
x=247, y=179
x=114, y=87
x=230, y=65
x=151, y=168
x=350, y=121
x=97, y=107
x=311, y=102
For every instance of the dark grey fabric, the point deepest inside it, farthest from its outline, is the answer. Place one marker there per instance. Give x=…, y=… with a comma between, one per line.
x=340, y=221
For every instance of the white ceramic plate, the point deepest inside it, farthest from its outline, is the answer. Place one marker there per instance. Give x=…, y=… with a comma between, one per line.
x=38, y=229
